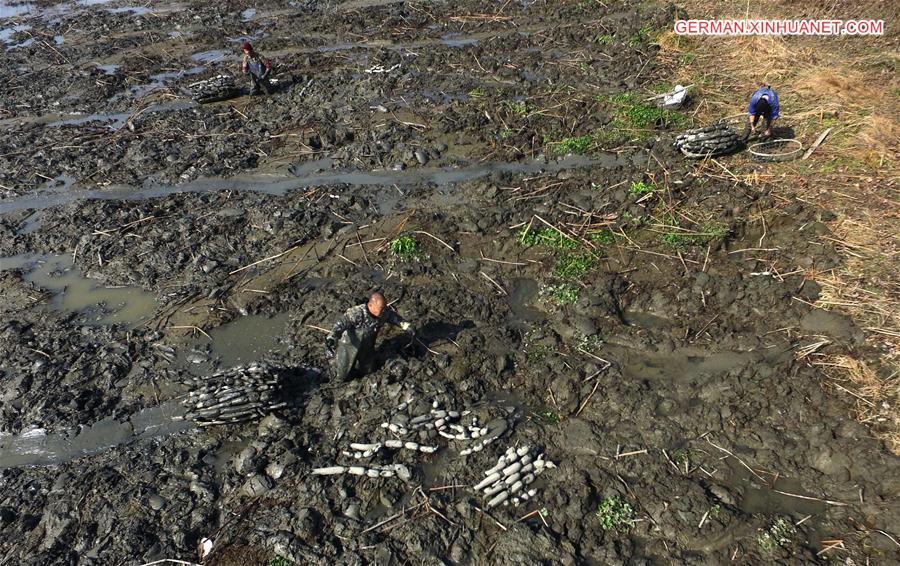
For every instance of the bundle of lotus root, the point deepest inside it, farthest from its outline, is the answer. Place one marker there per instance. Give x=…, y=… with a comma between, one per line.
x=509, y=479
x=220, y=87
x=234, y=395
x=716, y=139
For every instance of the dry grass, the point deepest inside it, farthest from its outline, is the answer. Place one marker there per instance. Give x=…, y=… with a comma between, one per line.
x=848, y=84
x=876, y=397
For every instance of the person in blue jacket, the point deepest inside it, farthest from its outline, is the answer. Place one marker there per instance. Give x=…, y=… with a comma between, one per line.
x=763, y=104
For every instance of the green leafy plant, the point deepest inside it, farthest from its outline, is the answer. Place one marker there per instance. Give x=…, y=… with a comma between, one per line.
x=779, y=533
x=604, y=38
x=547, y=417
x=679, y=238
x=675, y=240
x=537, y=352
x=643, y=34
x=517, y=107
x=590, y=343
x=564, y=294
x=713, y=231
x=549, y=237
x=645, y=116
x=641, y=188
x=574, y=266
x=577, y=144
x=615, y=514
x=404, y=247
x=279, y=561
x=634, y=117
x=604, y=237
x=477, y=92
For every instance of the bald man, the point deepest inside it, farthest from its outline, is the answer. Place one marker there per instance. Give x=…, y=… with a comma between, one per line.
x=355, y=333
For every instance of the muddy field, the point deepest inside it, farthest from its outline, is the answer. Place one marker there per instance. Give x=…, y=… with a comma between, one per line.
x=642, y=321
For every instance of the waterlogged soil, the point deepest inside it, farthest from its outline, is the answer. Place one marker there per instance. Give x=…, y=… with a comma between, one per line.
x=145, y=239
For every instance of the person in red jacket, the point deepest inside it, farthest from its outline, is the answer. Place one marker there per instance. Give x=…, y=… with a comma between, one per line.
x=259, y=69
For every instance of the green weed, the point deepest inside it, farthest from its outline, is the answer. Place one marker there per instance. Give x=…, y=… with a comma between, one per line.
x=477, y=92
x=676, y=240
x=537, y=352
x=604, y=38
x=547, y=237
x=603, y=237
x=641, y=188
x=633, y=113
x=779, y=533
x=574, y=266
x=590, y=343
x=404, y=247
x=547, y=417
x=615, y=514
x=647, y=34
x=279, y=561
x=517, y=107
x=709, y=232
x=564, y=294
x=683, y=459
x=644, y=116
x=577, y=144
x=712, y=231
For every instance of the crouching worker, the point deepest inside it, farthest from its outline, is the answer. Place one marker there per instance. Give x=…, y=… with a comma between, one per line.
x=763, y=104
x=259, y=69
x=351, y=342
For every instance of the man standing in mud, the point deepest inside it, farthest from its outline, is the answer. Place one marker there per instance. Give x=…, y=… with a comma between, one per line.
x=354, y=335
x=763, y=104
x=259, y=69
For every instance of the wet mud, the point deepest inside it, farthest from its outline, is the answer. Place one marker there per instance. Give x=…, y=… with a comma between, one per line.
x=146, y=240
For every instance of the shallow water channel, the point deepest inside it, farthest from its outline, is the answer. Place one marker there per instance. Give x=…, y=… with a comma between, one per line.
x=37, y=447
x=309, y=174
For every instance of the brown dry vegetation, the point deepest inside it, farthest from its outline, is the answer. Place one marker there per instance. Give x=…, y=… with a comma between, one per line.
x=851, y=85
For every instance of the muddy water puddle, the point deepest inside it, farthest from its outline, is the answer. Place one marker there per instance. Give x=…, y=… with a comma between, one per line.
x=768, y=500
x=73, y=292
x=212, y=56
x=310, y=174
x=7, y=33
x=239, y=342
x=158, y=81
x=38, y=447
x=522, y=294
x=683, y=365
